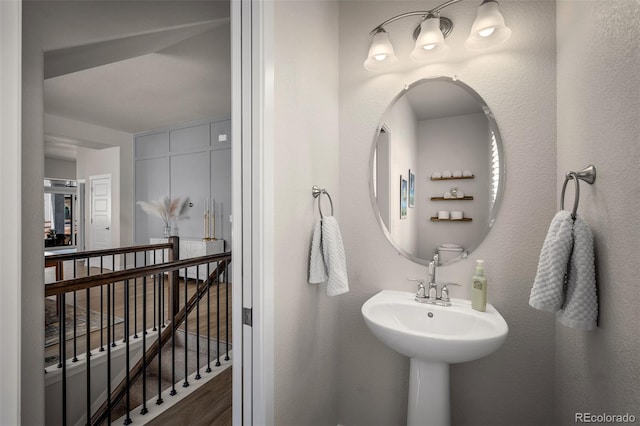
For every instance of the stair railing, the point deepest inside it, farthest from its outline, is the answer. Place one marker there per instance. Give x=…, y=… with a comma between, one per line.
x=162, y=283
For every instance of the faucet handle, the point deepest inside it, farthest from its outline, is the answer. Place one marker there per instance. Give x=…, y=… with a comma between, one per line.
x=420, y=292
x=444, y=292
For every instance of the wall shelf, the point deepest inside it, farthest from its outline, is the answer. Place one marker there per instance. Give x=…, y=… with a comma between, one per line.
x=453, y=178
x=466, y=197
x=464, y=219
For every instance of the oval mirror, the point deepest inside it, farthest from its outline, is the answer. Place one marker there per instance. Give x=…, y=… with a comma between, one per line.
x=437, y=171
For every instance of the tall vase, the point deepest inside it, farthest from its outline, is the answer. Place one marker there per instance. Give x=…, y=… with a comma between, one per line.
x=166, y=231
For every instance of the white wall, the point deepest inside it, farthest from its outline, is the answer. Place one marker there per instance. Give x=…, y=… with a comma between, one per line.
x=98, y=137
x=94, y=162
x=598, y=123
x=12, y=377
x=305, y=154
x=32, y=203
x=56, y=168
x=402, y=128
x=517, y=82
x=453, y=143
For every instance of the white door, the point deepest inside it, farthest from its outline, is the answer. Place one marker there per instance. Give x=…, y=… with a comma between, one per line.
x=100, y=221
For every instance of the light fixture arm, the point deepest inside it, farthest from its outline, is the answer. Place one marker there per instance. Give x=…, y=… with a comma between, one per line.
x=424, y=13
x=488, y=30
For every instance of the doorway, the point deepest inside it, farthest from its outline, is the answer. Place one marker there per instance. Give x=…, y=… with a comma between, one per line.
x=100, y=214
x=169, y=38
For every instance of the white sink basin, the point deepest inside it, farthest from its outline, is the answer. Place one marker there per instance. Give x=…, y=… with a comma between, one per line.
x=433, y=337
x=432, y=333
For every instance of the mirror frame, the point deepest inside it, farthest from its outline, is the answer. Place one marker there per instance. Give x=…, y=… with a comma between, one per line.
x=493, y=126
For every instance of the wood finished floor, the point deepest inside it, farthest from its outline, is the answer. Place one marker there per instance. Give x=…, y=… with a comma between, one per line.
x=210, y=406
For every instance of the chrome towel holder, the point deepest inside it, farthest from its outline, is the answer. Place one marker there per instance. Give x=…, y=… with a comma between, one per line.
x=588, y=174
x=317, y=192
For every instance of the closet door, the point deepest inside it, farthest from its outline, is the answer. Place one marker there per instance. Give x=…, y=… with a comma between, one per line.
x=221, y=193
x=190, y=178
x=152, y=183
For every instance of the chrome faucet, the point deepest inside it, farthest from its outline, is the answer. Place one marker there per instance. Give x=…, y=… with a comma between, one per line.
x=430, y=294
x=433, y=286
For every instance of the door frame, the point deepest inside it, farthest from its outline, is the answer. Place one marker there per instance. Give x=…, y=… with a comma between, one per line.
x=252, y=128
x=12, y=370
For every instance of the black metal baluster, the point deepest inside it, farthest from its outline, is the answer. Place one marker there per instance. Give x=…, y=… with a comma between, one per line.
x=173, y=343
x=154, y=294
x=144, y=343
x=159, y=400
x=88, y=356
x=162, y=324
x=75, y=322
x=186, y=331
x=102, y=307
x=226, y=287
x=126, y=324
x=113, y=302
x=63, y=343
x=197, y=377
x=135, y=299
x=109, y=353
x=208, y=370
x=127, y=419
x=218, y=315
x=62, y=357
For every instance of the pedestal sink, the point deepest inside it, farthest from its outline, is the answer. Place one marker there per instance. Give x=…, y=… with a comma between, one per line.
x=433, y=337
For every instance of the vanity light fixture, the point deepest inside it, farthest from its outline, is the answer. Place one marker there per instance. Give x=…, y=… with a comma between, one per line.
x=488, y=30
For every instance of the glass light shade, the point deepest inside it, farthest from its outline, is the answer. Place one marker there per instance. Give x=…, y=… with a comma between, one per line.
x=380, y=53
x=488, y=29
x=430, y=42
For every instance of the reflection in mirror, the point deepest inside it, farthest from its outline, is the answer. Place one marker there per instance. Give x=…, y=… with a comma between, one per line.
x=440, y=137
x=61, y=214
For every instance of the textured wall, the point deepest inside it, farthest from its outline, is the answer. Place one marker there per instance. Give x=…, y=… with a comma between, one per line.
x=305, y=154
x=598, y=123
x=514, y=386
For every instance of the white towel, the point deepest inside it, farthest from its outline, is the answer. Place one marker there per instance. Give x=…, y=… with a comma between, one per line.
x=317, y=269
x=580, y=308
x=334, y=257
x=565, y=280
x=328, y=262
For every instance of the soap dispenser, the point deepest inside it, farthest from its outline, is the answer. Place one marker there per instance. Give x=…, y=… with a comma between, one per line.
x=479, y=288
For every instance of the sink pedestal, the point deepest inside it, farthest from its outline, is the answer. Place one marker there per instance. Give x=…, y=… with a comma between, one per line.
x=428, y=394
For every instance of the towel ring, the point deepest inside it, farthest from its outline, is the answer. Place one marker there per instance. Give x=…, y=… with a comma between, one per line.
x=576, y=201
x=588, y=174
x=317, y=191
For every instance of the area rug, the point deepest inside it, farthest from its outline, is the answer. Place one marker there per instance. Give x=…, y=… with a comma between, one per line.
x=52, y=323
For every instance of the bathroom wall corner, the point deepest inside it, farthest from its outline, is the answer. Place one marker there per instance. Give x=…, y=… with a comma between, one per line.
x=598, y=58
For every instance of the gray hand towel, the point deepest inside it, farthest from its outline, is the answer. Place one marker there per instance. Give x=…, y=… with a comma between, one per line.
x=580, y=308
x=565, y=282
x=547, y=292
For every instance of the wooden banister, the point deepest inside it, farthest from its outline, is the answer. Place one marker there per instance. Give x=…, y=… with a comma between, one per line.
x=108, y=252
x=60, y=287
